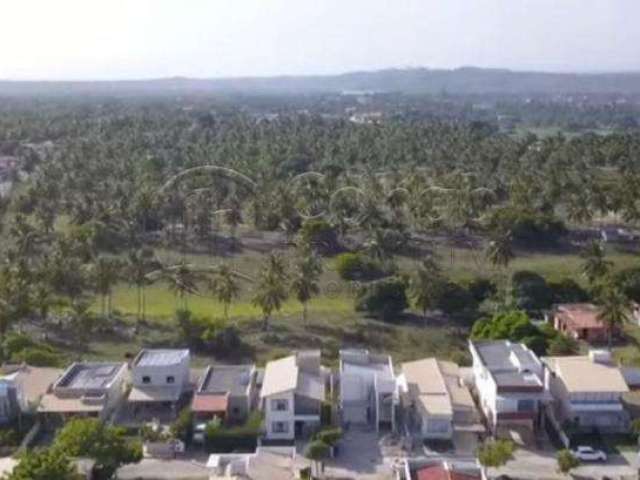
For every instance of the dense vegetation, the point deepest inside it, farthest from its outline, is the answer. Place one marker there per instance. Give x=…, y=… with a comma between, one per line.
x=199, y=195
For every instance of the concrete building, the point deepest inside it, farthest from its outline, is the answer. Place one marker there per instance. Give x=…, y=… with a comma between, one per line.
x=91, y=389
x=368, y=389
x=228, y=392
x=435, y=469
x=509, y=380
x=436, y=401
x=587, y=391
x=160, y=379
x=293, y=391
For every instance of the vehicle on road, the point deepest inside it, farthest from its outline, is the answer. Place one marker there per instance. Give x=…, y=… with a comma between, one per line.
x=589, y=454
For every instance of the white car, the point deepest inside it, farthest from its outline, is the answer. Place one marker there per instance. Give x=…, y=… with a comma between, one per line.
x=589, y=454
x=199, y=432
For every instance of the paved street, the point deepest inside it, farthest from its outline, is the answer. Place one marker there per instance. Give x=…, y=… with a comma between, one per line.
x=363, y=455
x=542, y=465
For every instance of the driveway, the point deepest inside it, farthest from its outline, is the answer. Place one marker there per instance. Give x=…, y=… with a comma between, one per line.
x=364, y=455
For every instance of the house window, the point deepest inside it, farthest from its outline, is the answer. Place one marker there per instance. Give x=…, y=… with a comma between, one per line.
x=171, y=379
x=438, y=426
x=526, y=405
x=280, y=427
x=146, y=379
x=279, y=405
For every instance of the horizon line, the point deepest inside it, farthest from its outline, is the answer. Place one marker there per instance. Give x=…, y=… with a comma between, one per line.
x=318, y=75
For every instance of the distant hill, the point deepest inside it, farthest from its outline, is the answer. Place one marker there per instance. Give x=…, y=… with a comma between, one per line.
x=467, y=80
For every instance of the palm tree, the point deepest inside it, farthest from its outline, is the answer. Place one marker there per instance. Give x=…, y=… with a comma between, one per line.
x=271, y=289
x=615, y=309
x=105, y=272
x=500, y=251
x=425, y=285
x=224, y=287
x=183, y=280
x=140, y=264
x=308, y=268
x=595, y=266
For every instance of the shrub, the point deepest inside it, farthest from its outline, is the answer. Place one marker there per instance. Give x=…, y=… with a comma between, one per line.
x=455, y=299
x=515, y=326
x=385, y=298
x=566, y=461
x=563, y=345
x=356, y=266
x=9, y=438
x=629, y=282
x=219, y=438
x=531, y=292
x=182, y=427
x=320, y=235
x=481, y=288
x=39, y=357
x=568, y=290
x=330, y=436
x=496, y=453
x=527, y=226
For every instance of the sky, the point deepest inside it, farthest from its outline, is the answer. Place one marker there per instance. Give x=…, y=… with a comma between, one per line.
x=136, y=39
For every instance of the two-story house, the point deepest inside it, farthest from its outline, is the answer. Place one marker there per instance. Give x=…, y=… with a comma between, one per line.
x=293, y=390
x=587, y=391
x=509, y=380
x=160, y=379
x=435, y=400
x=368, y=389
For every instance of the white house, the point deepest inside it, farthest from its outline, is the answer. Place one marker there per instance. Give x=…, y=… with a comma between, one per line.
x=435, y=400
x=509, y=380
x=293, y=391
x=368, y=389
x=587, y=391
x=159, y=380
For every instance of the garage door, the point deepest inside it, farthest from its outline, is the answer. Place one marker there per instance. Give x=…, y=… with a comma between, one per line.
x=354, y=414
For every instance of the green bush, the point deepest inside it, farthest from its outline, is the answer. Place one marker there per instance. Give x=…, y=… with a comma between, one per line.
x=455, y=299
x=320, y=235
x=330, y=436
x=357, y=266
x=39, y=357
x=568, y=290
x=385, y=298
x=182, y=427
x=531, y=292
x=481, y=288
x=515, y=326
x=219, y=438
x=9, y=438
x=527, y=226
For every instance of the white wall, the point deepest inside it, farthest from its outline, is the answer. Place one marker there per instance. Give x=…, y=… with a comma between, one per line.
x=159, y=374
x=271, y=415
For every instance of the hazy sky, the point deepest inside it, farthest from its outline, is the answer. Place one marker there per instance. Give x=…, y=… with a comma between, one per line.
x=105, y=39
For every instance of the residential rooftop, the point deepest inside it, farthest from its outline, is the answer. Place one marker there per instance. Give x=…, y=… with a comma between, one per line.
x=231, y=379
x=586, y=374
x=580, y=315
x=300, y=373
x=160, y=357
x=436, y=384
x=510, y=364
x=89, y=376
x=362, y=362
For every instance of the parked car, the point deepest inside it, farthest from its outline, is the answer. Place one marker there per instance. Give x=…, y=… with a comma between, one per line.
x=199, y=432
x=589, y=454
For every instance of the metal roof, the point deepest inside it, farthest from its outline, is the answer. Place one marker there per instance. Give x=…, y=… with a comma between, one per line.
x=161, y=357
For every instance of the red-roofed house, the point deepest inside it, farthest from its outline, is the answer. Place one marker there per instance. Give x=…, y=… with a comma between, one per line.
x=580, y=321
x=441, y=470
